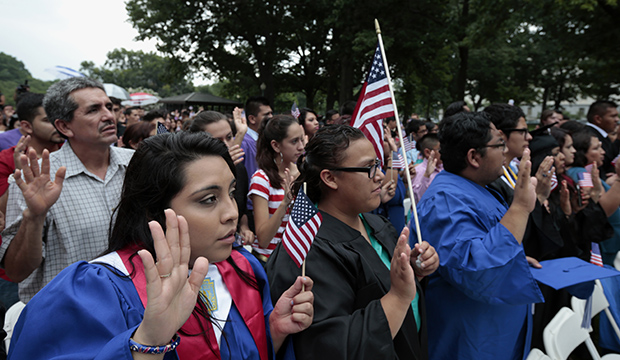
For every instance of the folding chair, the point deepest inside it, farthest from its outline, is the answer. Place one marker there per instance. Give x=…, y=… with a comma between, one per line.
x=564, y=333
x=536, y=354
x=599, y=303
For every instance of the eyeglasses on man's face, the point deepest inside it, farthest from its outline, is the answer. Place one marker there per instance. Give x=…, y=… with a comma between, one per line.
x=523, y=131
x=501, y=145
x=370, y=170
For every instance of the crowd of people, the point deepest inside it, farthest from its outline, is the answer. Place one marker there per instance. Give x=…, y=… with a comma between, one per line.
x=158, y=235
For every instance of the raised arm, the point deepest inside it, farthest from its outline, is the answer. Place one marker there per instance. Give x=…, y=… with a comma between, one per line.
x=24, y=254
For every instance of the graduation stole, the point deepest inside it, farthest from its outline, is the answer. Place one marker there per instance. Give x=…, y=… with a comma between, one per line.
x=247, y=299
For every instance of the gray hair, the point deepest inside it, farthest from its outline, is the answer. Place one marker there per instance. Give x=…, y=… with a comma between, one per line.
x=58, y=102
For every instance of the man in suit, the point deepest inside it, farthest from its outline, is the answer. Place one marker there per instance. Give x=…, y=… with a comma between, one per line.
x=602, y=120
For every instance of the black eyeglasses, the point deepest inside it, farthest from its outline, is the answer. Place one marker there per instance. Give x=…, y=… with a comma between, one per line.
x=371, y=170
x=501, y=145
x=522, y=131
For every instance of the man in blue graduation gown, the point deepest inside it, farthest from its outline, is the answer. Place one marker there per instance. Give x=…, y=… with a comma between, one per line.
x=479, y=298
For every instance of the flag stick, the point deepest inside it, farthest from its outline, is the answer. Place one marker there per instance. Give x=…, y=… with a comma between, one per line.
x=400, y=133
x=303, y=264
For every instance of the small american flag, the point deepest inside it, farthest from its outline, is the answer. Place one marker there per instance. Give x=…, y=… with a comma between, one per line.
x=407, y=144
x=397, y=160
x=554, y=181
x=302, y=226
x=161, y=128
x=374, y=104
x=595, y=255
x=585, y=179
x=295, y=110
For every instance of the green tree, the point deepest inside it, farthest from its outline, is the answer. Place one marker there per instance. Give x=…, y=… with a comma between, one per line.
x=13, y=73
x=134, y=69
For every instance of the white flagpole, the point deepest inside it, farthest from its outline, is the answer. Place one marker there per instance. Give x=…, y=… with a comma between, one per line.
x=400, y=133
x=303, y=265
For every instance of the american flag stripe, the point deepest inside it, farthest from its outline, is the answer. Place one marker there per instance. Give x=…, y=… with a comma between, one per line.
x=374, y=104
x=303, y=225
x=595, y=255
x=585, y=180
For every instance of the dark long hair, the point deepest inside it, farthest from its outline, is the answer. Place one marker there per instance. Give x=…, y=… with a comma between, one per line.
x=155, y=175
x=324, y=151
x=581, y=142
x=276, y=129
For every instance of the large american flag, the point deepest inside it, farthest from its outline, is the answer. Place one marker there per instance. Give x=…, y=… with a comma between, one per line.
x=374, y=104
x=302, y=226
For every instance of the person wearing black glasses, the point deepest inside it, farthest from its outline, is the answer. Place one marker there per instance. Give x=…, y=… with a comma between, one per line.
x=368, y=302
x=480, y=297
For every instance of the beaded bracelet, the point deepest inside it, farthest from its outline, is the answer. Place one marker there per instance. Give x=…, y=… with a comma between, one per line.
x=134, y=346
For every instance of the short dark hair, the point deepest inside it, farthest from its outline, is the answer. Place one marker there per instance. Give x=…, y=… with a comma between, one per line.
x=428, y=141
x=130, y=109
x=28, y=106
x=324, y=151
x=115, y=101
x=330, y=113
x=454, y=108
x=504, y=116
x=573, y=126
x=413, y=126
x=348, y=107
x=253, y=104
x=599, y=108
x=547, y=113
x=154, y=114
x=458, y=134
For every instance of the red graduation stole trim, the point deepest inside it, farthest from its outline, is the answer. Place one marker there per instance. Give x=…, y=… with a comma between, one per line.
x=247, y=300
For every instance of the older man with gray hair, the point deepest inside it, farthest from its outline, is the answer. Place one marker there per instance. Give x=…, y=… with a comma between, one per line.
x=56, y=220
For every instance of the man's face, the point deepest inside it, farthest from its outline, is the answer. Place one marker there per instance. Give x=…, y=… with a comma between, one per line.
x=43, y=130
x=264, y=112
x=93, y=120
x=116, y=109
x=332, y=119
x=134, y=117
x=609, y=120
x=420, y=133
x=492, y=162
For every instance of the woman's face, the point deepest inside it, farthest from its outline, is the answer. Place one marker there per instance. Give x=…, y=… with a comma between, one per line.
x=356, y=191
x=311, y=124
x=292, y=145
x=595, y=152
x=221, y=130
x=207, y=203
x=559, y=160
x=568, y=150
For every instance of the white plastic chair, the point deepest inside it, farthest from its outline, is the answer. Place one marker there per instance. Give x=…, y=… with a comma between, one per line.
x=536, y=354
x=599, y=303
x=564, y=333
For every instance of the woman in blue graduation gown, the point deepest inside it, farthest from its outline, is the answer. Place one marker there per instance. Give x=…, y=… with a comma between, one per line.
x=368, y=303
x=139, y=292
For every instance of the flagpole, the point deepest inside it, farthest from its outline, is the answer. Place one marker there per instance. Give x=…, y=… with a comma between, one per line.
x=400, y=133
x=303, y=264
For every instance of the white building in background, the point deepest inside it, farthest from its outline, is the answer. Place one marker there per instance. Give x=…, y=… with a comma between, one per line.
x=575, y=111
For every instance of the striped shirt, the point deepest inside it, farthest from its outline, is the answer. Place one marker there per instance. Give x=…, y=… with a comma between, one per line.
x=259, y=185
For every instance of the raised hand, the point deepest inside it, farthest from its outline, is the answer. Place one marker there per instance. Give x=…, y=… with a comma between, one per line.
x=20, y=148
x=524, y=195
x=565, y=205
x=401, y=272
x=40, y=193
x=543, y=176
x=597, y=190
x=293, y=311
x=288, y=183
x=236, y=153
x=431, y=164
x=171, y=293
x=241, y=124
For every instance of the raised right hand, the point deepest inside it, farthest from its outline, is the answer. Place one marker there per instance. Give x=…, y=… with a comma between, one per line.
x=402, y=276
x=524, y=195
x=40, y=193
x=171, y=293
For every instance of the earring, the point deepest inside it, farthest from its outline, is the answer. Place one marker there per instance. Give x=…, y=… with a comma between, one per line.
x=281, y=158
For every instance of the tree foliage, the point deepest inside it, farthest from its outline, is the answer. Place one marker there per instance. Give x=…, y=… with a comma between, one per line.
x=13, y=73
x=137, y=69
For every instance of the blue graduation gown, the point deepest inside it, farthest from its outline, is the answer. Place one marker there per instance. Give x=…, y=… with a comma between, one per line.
x=478, y=299
x=89, y=312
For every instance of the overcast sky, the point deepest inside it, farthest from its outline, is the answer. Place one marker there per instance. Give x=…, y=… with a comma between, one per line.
x=46, y=33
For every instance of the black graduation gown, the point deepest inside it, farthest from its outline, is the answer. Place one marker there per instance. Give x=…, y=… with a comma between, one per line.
x=349, y=281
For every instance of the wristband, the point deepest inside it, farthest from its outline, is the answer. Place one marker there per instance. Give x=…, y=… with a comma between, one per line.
x=134, y=346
